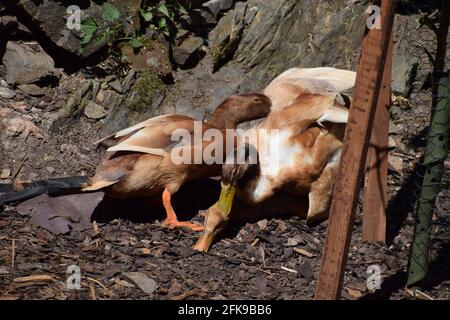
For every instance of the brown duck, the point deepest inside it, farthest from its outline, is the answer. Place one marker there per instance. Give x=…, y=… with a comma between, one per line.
x=142, y=163
x=290, y=172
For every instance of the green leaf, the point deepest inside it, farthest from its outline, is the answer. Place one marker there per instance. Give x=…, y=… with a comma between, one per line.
x=136, y=42
x=162, y=23
x=88, y=28
x=147, y=15
x=110, y=12
x=181, y=9
x=165, y=11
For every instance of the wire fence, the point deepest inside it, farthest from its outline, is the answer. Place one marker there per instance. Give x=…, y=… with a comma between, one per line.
x=420, y=153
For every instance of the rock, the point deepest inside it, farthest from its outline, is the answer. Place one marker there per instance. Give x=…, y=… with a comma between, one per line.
x=226, y=36
x=217, y=6
x=18, y=30
x=141, y=102
x=251, y=13
x=153, y=56
x=202, y=18
x=27, y=63
x=129, y=80
x=142, y=281
x=116, y=85
x=94, y=111
x=7, y=93
x=186, y=51
x=262, y=224
x=306, y=271
x=392, y=143
x=293, y=242
x=76, y=102
x=395, y=163
x=393, y=128
x=49, y=17
x=32, y=89
x=5, y=173
x=301, y=33
x=51, y=169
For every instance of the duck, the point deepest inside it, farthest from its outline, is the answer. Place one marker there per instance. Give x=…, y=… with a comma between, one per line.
x=145, y=159
x=291, y=166
x=140, y=164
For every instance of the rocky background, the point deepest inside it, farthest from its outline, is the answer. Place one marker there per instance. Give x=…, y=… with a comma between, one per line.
x=62, y=89
x=60, y=92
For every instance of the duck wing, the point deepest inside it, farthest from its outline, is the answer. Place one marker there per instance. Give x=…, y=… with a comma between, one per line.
x=157, y=135
x=306, y=110
x=284, y=89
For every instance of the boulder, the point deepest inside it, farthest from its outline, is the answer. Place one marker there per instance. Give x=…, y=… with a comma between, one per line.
x=49, y=18
x=141, y=102
x=94, y=111
x=218, y=6
x=6, y=93
x=225, y=37
x=187, y=50
x=27, y=63
x=290, y=33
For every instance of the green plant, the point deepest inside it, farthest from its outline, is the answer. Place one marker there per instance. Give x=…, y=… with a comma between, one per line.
x=163, y=16
x=109, y=31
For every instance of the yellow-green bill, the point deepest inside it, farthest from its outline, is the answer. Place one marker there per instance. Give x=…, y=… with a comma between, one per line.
x=226, y=198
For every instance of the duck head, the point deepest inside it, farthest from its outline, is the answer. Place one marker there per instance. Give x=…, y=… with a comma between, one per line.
x=241, y=167
x=240, y=108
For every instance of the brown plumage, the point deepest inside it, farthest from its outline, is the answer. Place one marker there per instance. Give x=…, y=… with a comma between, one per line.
x=296, y=176
x=141, y=163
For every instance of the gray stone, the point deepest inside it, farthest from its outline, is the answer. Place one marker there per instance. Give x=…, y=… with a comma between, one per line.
x=142, y=281
x=306, y=270
x=217, y=6
x=50, y=18
x=141, y=102
x=32, y=89
x=226, y=36
x=94, y=111
x=188, y=47
x=116, y=85
x=251, y=13
x=27, y=63
x=129, y=80
x=291, y=33
x=7, y=93
x=201, y=17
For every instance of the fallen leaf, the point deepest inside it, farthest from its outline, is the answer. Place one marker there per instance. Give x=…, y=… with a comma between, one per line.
x=354, y=293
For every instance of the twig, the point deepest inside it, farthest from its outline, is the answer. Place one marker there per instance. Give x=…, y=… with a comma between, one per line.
x=194, y=292
x=99, y=283
x=288, y=270
x=93, y=295
x=13, y=252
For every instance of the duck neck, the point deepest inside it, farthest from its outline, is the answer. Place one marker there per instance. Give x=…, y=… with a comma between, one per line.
x=225, y=116
x=238, y=109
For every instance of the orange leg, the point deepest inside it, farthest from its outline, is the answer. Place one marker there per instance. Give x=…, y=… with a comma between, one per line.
x=172, y=220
